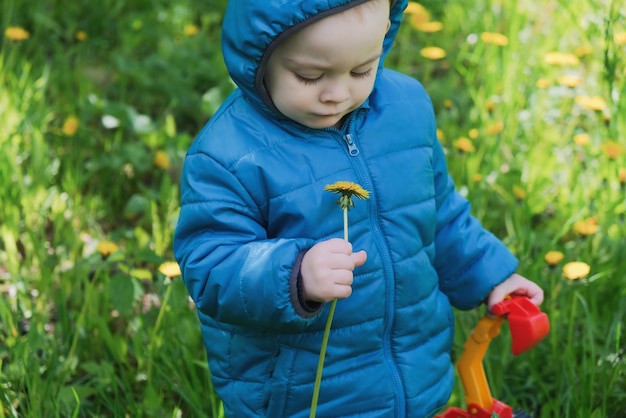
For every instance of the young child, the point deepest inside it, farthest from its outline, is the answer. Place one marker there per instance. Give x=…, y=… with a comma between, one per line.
x=258, y=238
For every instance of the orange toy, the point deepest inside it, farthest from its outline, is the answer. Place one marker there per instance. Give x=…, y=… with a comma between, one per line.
x=528, y=326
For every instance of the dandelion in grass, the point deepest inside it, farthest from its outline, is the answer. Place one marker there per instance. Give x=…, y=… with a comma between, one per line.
x=430, y=27
x=70, y=126
x=620, y=38
x=552, y=258
x=494, y=38
x=448, y=104
x=477, y=178
x=433, y=53
x=612, y=149
x=464, y=144
x=490, y=105
x=583, y=50
x=418, y=15
x=414, y=8
x=621, y=176
x=582, y=139
x=190, y=30
x=346, y=191
x=570, y=80
x=440, y=135
x=591, y=102
x=170, y=269
x=543, y=83
x=586, y=227
x=575, y=270
x=495, y=128
x=519, y=193
x=81, y=35
x=473, y=133
x=162, y=160
x=561, y=58
x=16, y=33
x=106, y=248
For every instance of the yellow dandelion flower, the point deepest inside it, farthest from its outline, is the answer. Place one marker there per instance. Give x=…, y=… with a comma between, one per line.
x=347, y=190
x=477, y=177
x=576, y=270
x=519, y=193
x=620, y=38
x=621, y=175
x=494, y=38
x=569, y=81
x=552, y=258
x=414, y=8
x=490, y=105
x=495, y=128
x=583, y=50
x=106, y=248
x=448, y=104
x=473, y=133
x=591, y=102
x=464, y=144
x=433, y=53
x=16, y=33
x=582, y=139
x=430, y=27
x=561, y=58
x=170, y=269
x=81, y=35
x=586, y=227
x=162, y=160
x=440, y=136
x=612, y=149
x=191, y=30
x=70, y=126
x=418, y=15
x=543, y=83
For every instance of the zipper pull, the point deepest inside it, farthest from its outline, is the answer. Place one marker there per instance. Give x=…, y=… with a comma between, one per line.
x=353, y=150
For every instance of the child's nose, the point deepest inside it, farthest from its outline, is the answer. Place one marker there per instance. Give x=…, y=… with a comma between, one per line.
x=335, y=92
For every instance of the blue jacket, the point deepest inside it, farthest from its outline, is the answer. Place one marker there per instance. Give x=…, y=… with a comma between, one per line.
x=253, y=199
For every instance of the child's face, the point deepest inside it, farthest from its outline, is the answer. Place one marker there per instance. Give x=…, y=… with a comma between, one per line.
x=326, y=70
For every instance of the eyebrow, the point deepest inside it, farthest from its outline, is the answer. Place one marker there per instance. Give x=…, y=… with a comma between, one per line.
x=316, y=66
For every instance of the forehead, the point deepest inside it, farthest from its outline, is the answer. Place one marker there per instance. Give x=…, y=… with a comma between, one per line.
x=353, y=34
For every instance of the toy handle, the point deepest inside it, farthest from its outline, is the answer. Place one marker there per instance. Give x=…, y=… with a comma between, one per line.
x=527, y=323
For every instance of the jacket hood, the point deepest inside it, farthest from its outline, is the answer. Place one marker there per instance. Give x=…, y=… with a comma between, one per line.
x=253, y=28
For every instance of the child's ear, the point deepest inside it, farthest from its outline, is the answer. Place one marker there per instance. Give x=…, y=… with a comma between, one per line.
x=388, y=26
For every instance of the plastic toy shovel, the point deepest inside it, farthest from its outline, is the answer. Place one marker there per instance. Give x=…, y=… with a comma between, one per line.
x=527, y=324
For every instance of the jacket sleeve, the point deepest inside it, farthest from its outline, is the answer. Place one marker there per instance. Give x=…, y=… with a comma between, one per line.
x=470, y=261
x=233, y=271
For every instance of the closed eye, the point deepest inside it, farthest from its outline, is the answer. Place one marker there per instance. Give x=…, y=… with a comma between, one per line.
x=307, y=80
x=363, y=74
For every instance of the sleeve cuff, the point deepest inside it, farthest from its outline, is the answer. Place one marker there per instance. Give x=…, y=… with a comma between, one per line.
x=305, y=309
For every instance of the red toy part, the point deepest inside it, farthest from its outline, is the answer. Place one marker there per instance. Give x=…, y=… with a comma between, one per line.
x=528, y=325
x=498, y=409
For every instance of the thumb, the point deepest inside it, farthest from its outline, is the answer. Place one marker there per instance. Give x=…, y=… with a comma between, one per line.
x=359, y=258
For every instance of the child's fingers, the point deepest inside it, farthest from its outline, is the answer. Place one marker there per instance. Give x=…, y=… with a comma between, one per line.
x=359, y=258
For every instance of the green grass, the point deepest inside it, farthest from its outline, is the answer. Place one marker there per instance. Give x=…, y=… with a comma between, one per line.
x=92, y=336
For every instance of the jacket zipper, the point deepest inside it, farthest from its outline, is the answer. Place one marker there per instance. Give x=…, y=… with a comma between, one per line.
x=363, y=176
x=353, y=150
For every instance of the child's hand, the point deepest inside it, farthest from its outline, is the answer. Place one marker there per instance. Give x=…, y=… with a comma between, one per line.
x=516, y=285
x=327, y=270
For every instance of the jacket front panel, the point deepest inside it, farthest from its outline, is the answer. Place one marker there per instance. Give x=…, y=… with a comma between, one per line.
x=252, y=198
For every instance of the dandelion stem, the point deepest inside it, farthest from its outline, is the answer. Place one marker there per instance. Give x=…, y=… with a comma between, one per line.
x=320, y=363
x=331, y=313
